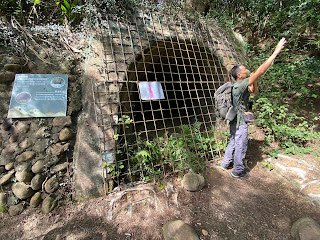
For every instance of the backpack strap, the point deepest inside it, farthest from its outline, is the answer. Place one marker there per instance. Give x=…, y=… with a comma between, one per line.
x=238, y=110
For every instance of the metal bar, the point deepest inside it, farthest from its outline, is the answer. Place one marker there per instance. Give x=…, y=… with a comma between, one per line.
x=167, y=50
x=211, y=97
x=193, y=74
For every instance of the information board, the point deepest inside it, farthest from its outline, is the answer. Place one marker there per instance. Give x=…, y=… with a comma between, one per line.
x=39, y=95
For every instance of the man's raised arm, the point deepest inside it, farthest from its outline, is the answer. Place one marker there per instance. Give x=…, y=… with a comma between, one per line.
x=264, y=66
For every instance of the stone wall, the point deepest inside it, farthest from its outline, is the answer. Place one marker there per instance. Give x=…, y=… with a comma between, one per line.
x=35, y=153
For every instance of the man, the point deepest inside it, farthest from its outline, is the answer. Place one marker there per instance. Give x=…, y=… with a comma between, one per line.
x=245, y=84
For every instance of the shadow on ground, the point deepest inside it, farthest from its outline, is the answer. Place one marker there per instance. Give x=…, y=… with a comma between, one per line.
x=84, y=227
x=263, y=206
x=254, y=153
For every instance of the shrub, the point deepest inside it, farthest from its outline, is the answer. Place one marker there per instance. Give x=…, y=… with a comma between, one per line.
x=187, y=150
x=281, y=125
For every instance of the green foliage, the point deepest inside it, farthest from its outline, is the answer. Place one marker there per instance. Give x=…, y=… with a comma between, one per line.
x=222, y=14
x=294, y=149
x=161, y=186
x=283, y=126
x=274, y=153
x=266, y=164
x=125, y=119
x=146, y=161
x=189, y=149
x=68, y=8
x=14, y=8
x=290, y=149
x=40, y=11
x=288, y=77
x=114, y=169
x=179, y=155
x=179, y=152
x=267, y=19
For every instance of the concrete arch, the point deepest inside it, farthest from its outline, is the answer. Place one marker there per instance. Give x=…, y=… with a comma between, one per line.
x=189, y=57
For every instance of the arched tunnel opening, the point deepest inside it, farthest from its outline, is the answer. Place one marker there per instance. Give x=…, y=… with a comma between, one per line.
x=188, y=73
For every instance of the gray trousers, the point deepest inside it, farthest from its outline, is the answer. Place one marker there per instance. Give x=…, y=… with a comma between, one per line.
x=237, y=148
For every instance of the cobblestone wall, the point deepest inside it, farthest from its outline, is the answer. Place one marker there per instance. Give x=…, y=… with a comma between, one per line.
x=35, y=160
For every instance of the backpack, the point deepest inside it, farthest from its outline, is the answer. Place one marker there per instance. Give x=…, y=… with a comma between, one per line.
x=223, y=102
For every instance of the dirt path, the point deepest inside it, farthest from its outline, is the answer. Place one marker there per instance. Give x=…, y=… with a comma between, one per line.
x=261, y=207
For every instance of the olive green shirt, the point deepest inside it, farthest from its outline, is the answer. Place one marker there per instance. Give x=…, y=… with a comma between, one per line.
x=240, y=99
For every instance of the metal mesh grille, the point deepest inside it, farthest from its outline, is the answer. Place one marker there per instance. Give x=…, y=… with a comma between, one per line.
x=182, y=56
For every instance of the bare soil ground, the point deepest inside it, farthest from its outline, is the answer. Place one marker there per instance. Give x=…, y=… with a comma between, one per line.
x=263, y=206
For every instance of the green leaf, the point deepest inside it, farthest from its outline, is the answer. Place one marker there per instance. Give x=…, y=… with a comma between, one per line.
x=63, y=9
x=36, y=2
x=121, y=166
x=274, y=153
x=104, y=165
x=143, y=153
x=267, y=165
x=74, y=3
x=116, y=137
x=66, y=4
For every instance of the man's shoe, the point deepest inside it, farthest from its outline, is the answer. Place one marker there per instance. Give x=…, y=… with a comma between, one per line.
x=239, y=175
x=226, y=168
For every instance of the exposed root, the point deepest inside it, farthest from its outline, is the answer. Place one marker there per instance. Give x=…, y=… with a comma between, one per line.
x=117, y=196
x=29, y=40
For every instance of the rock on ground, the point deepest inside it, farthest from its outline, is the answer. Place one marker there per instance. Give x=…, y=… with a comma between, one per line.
x=51, y=185
x=37, y=181
x=35, y=200
x=16, y=209
x=305, y=229
x=22, y=190
x=48, y=204
x=193, y=182
x=178, y=230
x=3, y=198
x=5, y=179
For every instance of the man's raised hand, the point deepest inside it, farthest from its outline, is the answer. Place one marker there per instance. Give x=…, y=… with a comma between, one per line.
x=280, y=45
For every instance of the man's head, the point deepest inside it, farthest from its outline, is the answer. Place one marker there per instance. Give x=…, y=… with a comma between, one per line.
x=239, y=72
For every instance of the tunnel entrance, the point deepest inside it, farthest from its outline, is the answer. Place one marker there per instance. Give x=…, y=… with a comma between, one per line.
x=144, y=139
x=189, y=74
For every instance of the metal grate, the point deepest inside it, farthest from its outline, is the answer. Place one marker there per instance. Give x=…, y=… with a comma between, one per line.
x=188, y=61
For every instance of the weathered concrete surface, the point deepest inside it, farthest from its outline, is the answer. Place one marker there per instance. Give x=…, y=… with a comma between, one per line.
x=88, y=173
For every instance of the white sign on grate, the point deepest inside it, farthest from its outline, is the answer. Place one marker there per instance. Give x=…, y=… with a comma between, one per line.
x=39, y=95
x=151, y=91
